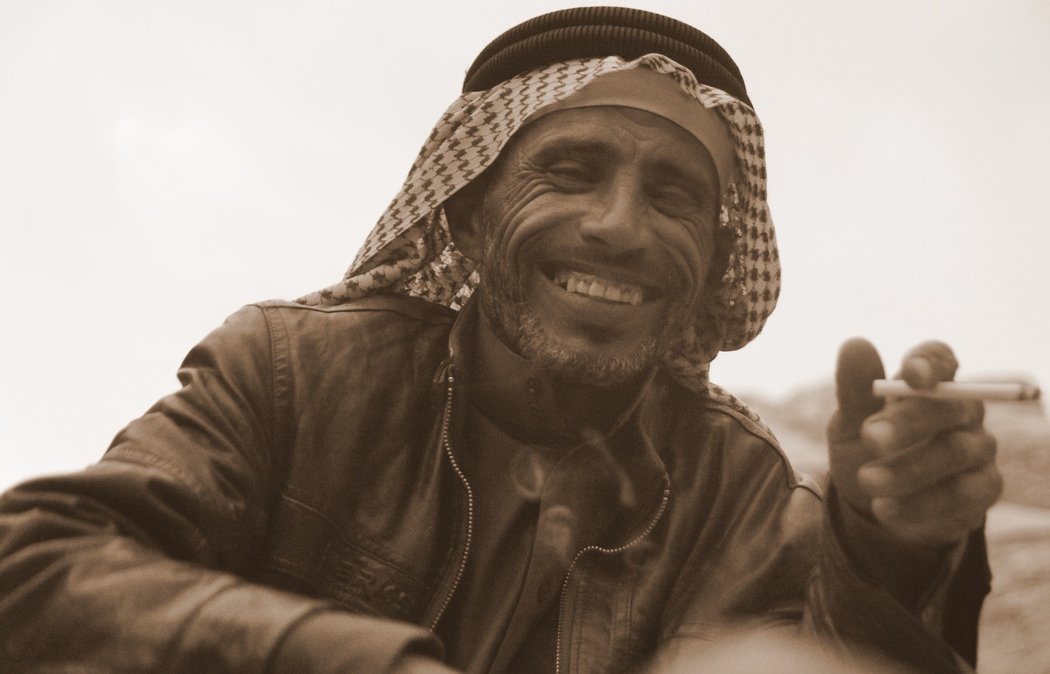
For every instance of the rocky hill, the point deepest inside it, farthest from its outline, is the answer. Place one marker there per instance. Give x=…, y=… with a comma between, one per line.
x=1016, y=614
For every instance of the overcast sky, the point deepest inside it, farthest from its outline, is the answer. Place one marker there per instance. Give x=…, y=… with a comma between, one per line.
x=163, y=163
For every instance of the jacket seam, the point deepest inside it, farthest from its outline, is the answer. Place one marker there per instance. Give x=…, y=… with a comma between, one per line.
x=350, y=543
x=793, y=478
x=280, y=423
x=418, y=310
x=147, y=459
x=224, y=586
x=748, y=425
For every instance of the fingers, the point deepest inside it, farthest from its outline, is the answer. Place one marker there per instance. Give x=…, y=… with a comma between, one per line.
x=924, y=468
x=904, y=422
x=927, y=464
x=858, y=365
x=945, y=513
x=928, y=363
x=935, y=492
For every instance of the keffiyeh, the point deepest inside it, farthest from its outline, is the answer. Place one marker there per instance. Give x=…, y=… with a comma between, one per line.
x=410, y=250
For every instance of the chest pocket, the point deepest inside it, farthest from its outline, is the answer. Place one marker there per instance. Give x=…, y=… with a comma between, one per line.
x=309, y=554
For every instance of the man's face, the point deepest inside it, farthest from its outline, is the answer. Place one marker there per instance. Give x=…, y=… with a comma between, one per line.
x=597, y=231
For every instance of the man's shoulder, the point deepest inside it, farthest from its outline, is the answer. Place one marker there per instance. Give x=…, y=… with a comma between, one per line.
x=375, y=307
x=743, y=433
x=714, y=404
x=388, y=333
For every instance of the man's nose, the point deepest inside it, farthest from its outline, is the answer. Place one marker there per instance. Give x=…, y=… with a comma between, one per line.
x=618, y=220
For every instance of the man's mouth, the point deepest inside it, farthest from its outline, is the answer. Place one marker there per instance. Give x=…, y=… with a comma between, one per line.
x=600, y=288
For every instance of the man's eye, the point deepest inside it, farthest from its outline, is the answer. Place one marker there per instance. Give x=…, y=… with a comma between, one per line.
x=676, y=198
x=572, y=171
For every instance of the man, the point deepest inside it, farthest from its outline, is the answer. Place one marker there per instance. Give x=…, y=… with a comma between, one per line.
x=494, y=446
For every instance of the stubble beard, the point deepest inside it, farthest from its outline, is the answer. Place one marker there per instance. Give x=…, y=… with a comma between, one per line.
x=504, y=297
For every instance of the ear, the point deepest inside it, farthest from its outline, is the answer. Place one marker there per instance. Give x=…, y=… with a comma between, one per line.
x=465, y=221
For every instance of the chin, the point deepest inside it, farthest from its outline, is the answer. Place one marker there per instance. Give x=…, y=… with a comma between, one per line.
x=606, y=358
x=599, y=365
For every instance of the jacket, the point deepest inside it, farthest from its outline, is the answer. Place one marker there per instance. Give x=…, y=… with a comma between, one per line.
x=299, y=497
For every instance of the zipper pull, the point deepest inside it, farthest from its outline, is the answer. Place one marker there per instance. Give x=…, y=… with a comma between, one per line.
x=439, y=384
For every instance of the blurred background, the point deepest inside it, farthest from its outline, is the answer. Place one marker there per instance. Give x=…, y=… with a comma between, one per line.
x=163, y=163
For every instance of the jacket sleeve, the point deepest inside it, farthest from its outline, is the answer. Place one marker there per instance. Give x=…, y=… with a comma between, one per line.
x=809, y=607
x=778, y=572
x=138, y=563
x=931, y=627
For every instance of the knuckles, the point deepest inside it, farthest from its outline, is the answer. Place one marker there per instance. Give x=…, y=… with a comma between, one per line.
x=916, y=420
x=971, y=447
x=944, y=513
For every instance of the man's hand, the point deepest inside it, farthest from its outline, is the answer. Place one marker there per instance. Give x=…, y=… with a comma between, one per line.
x=923, y=469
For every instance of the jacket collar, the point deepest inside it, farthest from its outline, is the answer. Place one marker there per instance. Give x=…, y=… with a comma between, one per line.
x=518, y=397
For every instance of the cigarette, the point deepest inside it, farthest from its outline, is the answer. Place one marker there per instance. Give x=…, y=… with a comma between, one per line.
x=898, y=388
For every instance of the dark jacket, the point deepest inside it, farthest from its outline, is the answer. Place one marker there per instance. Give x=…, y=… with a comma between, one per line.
x=296, y=499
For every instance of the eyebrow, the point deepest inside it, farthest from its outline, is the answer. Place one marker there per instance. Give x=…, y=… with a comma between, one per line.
x=574, y=147
x=565, y=144
x=698, y=182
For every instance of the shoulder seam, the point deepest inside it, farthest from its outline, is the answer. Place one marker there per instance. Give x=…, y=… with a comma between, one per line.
x=280, y=376
x=419, y=310
x=795, y=479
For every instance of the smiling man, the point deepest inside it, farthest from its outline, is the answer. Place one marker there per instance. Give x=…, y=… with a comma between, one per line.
x=595, y=236
x=494, y=445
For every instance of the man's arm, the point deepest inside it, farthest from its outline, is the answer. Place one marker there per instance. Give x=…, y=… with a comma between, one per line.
x=135, y=564
x=911, y=481
x=825, y=573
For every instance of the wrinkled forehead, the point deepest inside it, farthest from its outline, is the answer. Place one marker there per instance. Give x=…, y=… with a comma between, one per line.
x=658, y=94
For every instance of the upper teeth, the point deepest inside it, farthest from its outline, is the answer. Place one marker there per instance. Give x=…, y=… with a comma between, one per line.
x=602, y=288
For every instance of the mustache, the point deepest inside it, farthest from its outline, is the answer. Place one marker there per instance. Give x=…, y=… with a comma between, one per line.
x=656, y=270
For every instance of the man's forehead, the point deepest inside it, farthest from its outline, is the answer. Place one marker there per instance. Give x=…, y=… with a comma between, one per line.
x=608, y=132
x=644, y=89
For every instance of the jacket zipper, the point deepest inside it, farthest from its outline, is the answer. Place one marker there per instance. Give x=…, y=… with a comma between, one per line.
x=563, y=601
x=446, y=422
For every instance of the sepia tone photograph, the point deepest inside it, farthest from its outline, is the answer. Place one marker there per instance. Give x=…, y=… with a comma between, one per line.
x=525, y=337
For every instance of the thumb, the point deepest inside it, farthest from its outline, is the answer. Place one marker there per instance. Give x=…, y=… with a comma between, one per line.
x=858, y=366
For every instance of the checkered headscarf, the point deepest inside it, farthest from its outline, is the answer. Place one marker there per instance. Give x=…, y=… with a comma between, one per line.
x=410, y=250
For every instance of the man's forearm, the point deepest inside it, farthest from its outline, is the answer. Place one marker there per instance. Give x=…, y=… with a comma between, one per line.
x=850, y=607
x=79, y=587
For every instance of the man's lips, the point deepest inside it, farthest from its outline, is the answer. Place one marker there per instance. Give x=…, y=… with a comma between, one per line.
x=600, y=287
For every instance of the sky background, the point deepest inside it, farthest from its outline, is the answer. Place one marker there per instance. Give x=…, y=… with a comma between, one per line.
x=163, y=163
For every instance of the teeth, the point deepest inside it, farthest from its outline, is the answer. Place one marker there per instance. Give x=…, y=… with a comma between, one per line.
x=602, y=288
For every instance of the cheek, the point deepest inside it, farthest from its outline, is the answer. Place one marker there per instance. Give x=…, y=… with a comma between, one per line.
x=690, y=247
x=520, y=219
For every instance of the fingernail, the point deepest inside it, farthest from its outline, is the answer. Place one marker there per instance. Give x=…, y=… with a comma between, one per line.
x=884, y=508
x=874, y=478
x=918, y=371
x=879, y=432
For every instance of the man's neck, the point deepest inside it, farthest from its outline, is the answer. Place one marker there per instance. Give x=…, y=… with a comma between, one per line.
x=595, y=408
x=513, y=390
